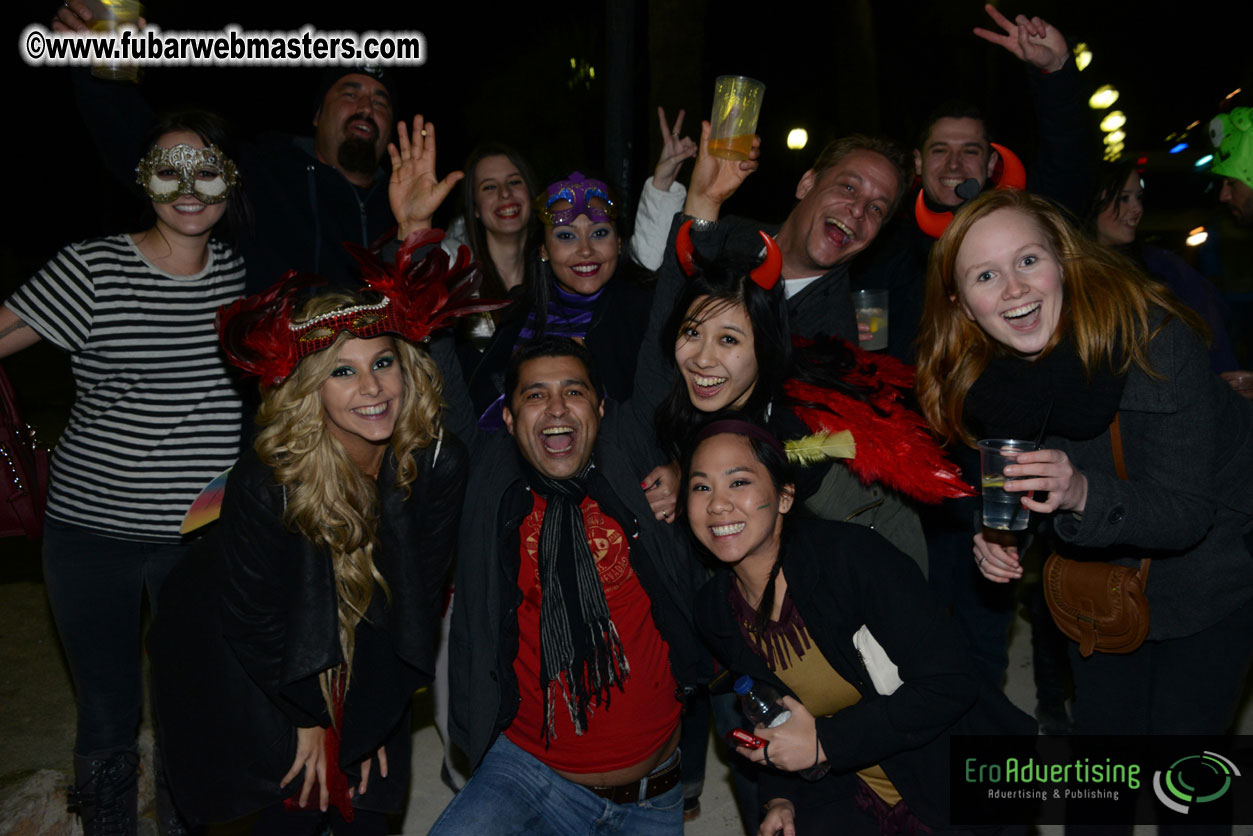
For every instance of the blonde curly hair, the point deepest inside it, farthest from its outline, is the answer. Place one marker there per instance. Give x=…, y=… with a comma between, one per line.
x=329, y=500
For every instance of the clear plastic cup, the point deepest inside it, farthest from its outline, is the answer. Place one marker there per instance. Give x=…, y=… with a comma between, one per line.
x=871, y=308
x=737, y=104
x=108, y=16
x=1002, y=510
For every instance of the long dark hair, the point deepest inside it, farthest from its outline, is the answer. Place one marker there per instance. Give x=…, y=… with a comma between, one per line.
x=782, y=473
x=824, y=363
x=493, y=286
x=1112, y=177
x=714, y=286
x=236, y=223
x=537, y=288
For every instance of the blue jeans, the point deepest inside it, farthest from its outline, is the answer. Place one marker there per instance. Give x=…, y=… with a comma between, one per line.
x=96, y=586
x=513, y=793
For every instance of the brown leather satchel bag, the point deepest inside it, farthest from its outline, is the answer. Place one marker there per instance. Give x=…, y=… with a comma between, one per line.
x=1100, y=605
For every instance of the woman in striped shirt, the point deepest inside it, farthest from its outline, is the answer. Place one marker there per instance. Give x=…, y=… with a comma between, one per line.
x=155, y=418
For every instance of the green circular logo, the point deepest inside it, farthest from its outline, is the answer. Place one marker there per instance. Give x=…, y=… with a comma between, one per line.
x=1194, y=779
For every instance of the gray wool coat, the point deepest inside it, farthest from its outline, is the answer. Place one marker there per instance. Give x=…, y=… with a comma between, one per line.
x=1188, y=501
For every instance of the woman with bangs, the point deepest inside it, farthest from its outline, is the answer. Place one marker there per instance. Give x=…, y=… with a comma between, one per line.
x=312, y=613
x=1031, y=329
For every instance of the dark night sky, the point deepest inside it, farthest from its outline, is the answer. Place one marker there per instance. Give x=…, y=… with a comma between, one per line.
x=831, y=67
x=506, y=75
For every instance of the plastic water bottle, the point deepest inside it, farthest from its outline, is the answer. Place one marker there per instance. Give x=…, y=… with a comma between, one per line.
x=760, y=703
x=761, y=706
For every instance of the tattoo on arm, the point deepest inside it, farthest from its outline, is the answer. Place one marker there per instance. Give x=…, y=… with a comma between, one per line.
x=4, y=332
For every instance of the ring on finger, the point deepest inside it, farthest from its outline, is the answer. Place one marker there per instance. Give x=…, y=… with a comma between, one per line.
x=980, y=563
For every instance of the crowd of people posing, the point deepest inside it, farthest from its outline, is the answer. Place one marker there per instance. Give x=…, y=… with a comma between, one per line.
x=580, y=484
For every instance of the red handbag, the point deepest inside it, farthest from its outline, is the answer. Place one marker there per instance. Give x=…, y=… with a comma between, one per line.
x=23, y=470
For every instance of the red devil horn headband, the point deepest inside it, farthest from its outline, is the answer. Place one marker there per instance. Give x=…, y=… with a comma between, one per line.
x=684, y=250
x=766, y=275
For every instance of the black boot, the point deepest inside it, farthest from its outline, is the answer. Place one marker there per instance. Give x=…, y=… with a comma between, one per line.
x=107, y=792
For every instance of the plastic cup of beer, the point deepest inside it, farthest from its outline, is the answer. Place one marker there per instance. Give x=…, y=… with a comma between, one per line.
x=737, y=104
x=871, y=308
x=108, y=16
x=1002, y=510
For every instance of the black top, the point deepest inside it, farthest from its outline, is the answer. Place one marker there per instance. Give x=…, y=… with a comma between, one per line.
x=842, y=576
x=619, y=321
x=248, y=621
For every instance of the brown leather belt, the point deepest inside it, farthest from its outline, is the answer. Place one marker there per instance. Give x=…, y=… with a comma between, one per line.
x=654, y=785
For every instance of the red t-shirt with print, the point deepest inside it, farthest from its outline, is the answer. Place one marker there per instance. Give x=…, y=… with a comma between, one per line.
x=638, y=719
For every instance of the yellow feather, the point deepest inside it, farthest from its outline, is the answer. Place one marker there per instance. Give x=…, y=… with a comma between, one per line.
x=821, y=446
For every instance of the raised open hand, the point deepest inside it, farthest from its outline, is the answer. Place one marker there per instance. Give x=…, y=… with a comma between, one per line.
x=414, y=191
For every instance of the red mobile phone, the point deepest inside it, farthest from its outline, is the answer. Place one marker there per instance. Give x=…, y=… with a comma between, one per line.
x=739, y=737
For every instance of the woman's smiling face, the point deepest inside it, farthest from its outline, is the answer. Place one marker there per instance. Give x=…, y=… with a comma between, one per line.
x=716, y=354
x=501, y=199
x=1009, y=281
x=362, y=397
x=732, y=504
x=583, y=253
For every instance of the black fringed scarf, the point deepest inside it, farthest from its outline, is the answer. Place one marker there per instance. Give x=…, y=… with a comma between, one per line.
x=1012, y=396
x=580, y=652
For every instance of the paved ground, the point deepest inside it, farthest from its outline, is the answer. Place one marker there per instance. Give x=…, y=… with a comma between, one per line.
x=37, y=709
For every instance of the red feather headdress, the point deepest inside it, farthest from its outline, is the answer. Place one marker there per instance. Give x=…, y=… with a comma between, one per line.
x=893, y=444
x=418, y=297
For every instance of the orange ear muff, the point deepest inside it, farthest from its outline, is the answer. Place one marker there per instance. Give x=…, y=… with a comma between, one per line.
x=931, y=223
x=1009, y=173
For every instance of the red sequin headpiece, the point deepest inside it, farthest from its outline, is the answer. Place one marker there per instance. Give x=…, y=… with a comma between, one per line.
x=417, y=297
x=362, y=321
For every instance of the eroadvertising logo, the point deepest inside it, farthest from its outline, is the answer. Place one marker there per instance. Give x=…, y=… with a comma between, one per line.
x=1096, y=780
x=1194, y=779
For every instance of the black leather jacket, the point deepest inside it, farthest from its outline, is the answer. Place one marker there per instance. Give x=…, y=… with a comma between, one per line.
x=248, y=621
